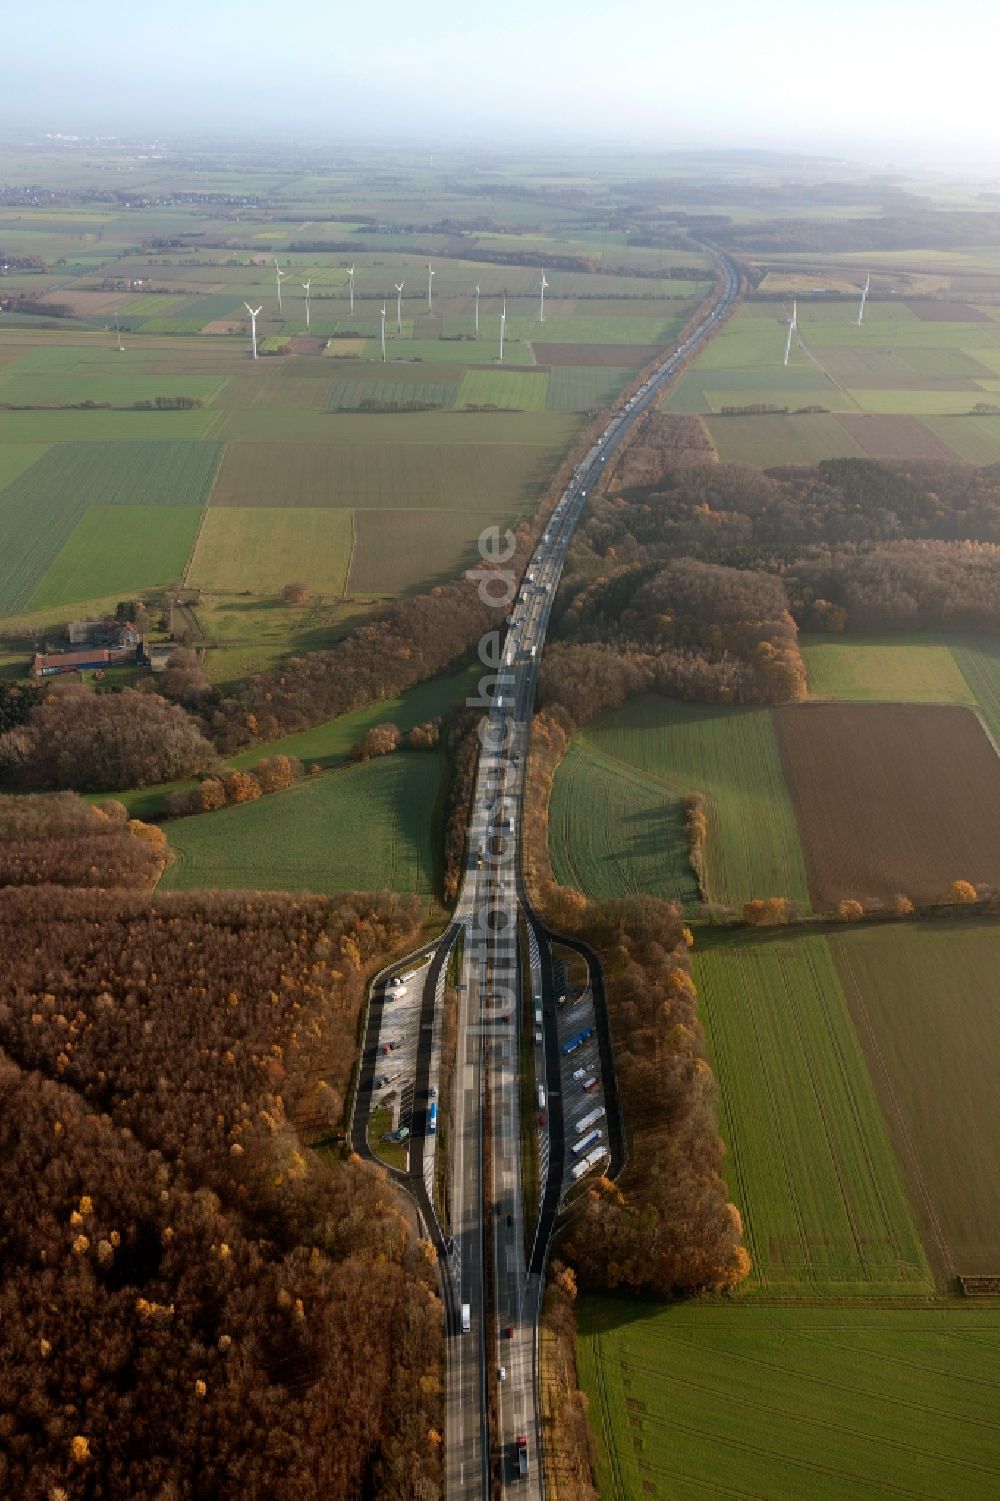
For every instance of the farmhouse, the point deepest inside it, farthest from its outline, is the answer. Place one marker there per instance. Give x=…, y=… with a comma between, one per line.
x=50, y=664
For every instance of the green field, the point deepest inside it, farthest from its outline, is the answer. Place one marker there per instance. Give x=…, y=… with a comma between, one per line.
x=900, y=669
x=121, y=550
x=87, y=382
x=730, y=755
x=42, y=507
x=15, y=458
x=896, y=365
x=925, y=1003
x=979, y=661
x=615, y=832
x=509, y=390
x=347, y=395
x=809, y=1164
x=328, y=744
x=778, y=1404
x=581, y=388
x=767, y=440
x=366, y=828
x=262, y=548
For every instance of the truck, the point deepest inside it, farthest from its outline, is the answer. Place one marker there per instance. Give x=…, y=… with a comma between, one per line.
x=466, y=1317
x=541, y=1096
x=577, y=1041
x=521, y=1451
x=590, y=1119
x=432, y=1118
x=585, y=1142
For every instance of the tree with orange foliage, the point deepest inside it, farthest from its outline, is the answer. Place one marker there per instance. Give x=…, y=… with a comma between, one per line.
x=755, y=913
x=901, y=905
x=850, y=910
x=962, y=893
x=241, y=787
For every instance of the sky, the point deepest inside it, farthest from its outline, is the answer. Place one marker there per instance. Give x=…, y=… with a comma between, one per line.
x=879, y=79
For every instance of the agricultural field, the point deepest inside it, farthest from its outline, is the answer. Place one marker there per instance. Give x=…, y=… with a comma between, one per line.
x=978, y=658
x=398, y=551
x=809, y=1163
x=901, y=386
x=392, y=475
x=508, y=390
x=767, y=440
x=636, y=846
x=119, y=550
x=43, y=505
x=785, y=1402
x=897, y=669
x=924, y=1002
x=583, y=388
x=368, y=827
x=261, y=548
x=347, y=395
x=891, y=798
x=728, y=754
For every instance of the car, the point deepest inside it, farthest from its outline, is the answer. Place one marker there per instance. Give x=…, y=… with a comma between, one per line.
x=432, y=1092
x=509, y=1331
x=502, y=1373
x=510, y=1220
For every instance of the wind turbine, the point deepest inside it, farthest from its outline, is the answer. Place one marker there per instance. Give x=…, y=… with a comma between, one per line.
x=541, y=305
x=864, y=298
x=503, y=325
x=477, y=310
x=399, y=285
x=792, y=329
x=383, y=333
x=430, y=293
x=350, y=286
x=279, y=277
x=253, y=311
x=118, y=336
x=305, y=287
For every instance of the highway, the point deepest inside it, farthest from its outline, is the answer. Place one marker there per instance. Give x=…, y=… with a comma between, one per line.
x=493, y=1262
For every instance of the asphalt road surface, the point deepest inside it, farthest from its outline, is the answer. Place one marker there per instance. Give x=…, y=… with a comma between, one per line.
x=493, y=1263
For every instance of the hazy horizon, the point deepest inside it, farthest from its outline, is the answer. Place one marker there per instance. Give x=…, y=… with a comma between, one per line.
x=883, y=85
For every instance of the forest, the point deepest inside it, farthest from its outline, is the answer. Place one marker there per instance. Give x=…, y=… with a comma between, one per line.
x=666, y=1226
x=194, y=1298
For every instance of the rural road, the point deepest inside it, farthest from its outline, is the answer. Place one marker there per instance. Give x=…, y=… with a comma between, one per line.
x=492, y=1261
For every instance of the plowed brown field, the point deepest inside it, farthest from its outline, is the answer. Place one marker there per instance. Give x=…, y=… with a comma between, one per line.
x=626, y=356
x=891, y=798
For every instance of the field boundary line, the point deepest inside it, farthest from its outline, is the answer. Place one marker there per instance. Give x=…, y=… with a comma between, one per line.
x=905, y=1137
x=346, y=591
x=204, y=512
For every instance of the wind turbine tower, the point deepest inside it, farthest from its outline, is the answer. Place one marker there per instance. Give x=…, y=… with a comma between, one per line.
x=864, y=299
x=541, y=304
x=118, y=336
x=503, y=325
x=350, y=286
x=279, y=277
x=383, y=333
x=253, y=311
x=430, y=290
x=792, y=329
x=477, y=310
x=305, y=287
x=399, y=285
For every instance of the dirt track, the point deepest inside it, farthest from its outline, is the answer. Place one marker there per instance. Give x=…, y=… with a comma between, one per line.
x=891, y=798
